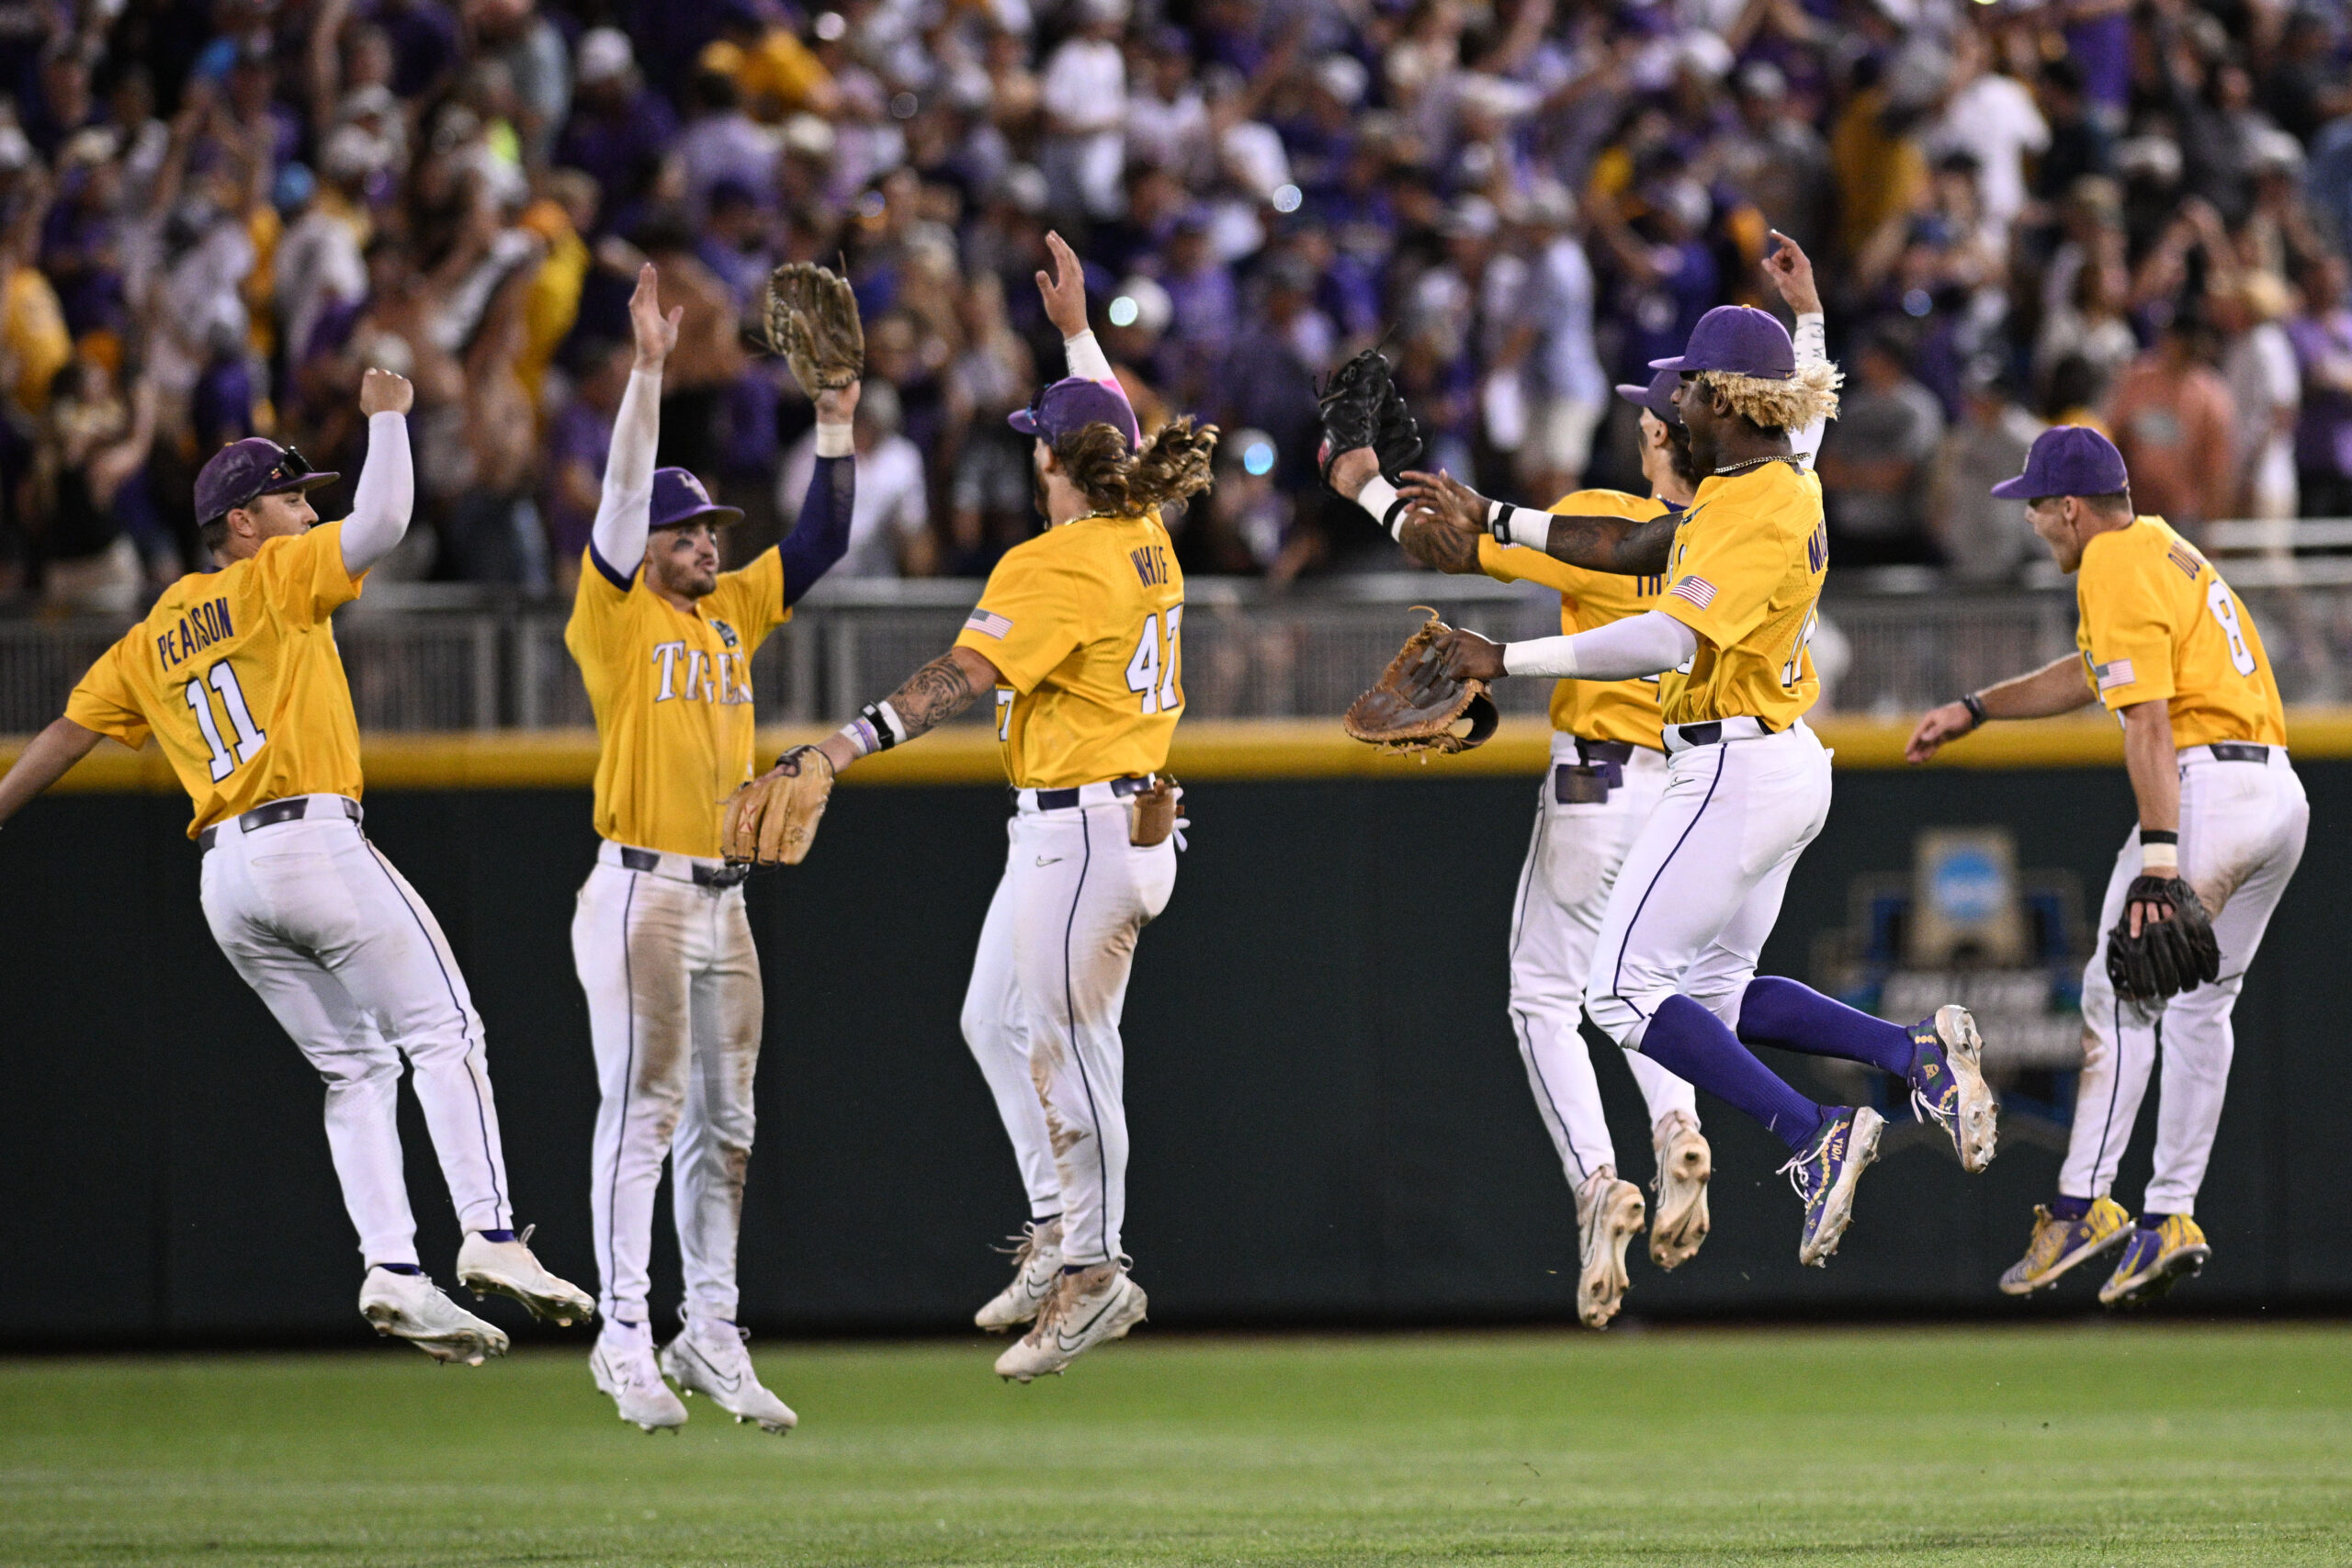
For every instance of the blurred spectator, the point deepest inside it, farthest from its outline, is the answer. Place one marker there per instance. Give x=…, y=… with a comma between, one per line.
x=1982, y=540
x=1084, y=95
x=578, y=439
x=2322, y=335
x=889, y=529
x=619, y=128
x=88, y=487
x=2172, y=418
x=1874, y=462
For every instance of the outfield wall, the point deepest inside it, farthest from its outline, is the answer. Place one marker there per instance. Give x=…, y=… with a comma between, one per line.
x=1330, y=1120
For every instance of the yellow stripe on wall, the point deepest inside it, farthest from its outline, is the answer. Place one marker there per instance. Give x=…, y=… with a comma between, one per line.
x=1204, y=750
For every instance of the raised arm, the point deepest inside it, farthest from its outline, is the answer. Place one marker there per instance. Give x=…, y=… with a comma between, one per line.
x=820, y=537
x=1791, y=271
x=43, y=762
x=386, y=493
x=617, y=538
x=1064, y=291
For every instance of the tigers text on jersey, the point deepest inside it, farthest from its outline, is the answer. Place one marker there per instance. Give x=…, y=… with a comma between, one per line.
x=672, y=693
x=236, y=676
x=1082, y=623
x=2159, y=623
x=1597, y=710
x=1746, y=575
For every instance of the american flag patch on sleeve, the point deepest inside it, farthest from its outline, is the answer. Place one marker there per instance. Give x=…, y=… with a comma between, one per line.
x=2114, y=673
x=1696, y=590
x=988, y=623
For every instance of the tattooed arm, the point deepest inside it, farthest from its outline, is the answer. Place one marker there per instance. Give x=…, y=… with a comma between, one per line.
x=1447, y=517
x=932, y=695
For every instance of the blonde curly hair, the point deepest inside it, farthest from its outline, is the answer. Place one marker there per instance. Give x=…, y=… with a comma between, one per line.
x=1808, y=395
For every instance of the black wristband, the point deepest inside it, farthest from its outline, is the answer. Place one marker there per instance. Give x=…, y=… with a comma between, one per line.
x=1975, y=707
x=1499, y=523
x=886, y=734
x=2159, y=836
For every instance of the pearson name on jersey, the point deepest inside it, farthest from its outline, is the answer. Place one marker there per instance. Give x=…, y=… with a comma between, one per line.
x=236, y=675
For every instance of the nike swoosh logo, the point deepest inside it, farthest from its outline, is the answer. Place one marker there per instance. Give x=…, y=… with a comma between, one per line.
x=1043, y=860
x=728, y=1381
x=1070, y=1341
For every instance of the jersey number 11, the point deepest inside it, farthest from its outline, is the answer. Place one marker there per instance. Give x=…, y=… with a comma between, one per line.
x=222, y=678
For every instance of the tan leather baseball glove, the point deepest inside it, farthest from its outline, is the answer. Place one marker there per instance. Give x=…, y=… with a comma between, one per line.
x=773, y=820
x=811, y=320
x=1416, y=706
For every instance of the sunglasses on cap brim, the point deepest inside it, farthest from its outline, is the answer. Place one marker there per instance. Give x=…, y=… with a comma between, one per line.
x=292, y=473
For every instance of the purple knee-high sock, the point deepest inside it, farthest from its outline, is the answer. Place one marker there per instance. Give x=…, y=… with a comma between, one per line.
x=1774, y=1012
x=1686, y=1039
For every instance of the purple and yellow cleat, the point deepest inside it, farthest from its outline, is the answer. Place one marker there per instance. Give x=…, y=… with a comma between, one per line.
x=2058, y=1245
x=1825, y=1176
x=2154, y=1261
x=1948, y=1084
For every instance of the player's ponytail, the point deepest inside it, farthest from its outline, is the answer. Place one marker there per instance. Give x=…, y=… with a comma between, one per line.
x=1171, y=465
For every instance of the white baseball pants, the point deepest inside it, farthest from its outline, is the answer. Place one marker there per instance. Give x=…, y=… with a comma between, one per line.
x=1563, y=887
x=1703, y=884
x=355, y=967
x=674, y=1012
x=1042, y=1013
x=2242, y=827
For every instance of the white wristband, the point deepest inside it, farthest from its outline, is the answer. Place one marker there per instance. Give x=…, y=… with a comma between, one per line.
x=2160, y=860
x=834, y=440
x=1520, y=526
x=1387, y=508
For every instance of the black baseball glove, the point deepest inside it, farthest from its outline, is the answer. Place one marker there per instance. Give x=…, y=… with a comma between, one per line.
x=1361, y=407
x=2170, y=955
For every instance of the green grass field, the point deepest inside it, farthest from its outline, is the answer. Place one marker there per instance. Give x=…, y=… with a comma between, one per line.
x=2093, y=1445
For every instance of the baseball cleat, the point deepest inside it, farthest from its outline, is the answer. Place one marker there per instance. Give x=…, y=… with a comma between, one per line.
x=1609, y=1214
x=2058, y=1245
x=1684, y=1164
x=707, y=1358
x=410, y=1307
x=2154, y=1261
x=1825, y=1174
x=507, y=1269
x=1036, y=1269
x=1948, y=1084
x=623, y=1366
x=1088, y=1307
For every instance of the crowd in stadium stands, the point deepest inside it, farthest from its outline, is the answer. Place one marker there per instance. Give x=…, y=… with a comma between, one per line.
x=214, y=213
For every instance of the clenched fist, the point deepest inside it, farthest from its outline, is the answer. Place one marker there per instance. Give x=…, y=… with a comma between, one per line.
x=380, y=392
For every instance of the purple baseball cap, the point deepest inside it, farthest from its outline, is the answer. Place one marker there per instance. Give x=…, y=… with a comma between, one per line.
x=244, y=471
x=1072, y=404
x=2068, y=459
x=1657, y=397
x=1739, y=340
x=679, y=499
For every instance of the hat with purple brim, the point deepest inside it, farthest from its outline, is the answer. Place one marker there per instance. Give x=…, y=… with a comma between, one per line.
x=2068, y=459
x=1072, y=404
x=244, y=471
x=679, y=499
x=1657, y=397
x=1738, y=340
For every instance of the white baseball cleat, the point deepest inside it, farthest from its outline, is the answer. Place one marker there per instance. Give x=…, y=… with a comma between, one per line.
x=1036, y=1269
x=507, y=1269
x=1609, y=1215
x=707, y=1358
x=1684, y=1164
x=622, y=1364
x=1087, y=1308
x=410, y=1307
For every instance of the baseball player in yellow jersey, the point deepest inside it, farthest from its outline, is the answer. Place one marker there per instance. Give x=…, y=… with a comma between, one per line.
x=1078, y=635
x=1673, y=970
x=2170, y=650
x=664, y=640
x=236, y=674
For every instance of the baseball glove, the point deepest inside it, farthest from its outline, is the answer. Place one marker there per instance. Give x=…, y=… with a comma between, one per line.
x=811, y=320
x=2168, y=956
x=1361, y=407
x=773, y=820
x=1415, y=704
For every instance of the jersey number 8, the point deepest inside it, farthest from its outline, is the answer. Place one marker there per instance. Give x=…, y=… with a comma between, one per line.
x=2225, y=610
x=222, y=678
x=1150, y=674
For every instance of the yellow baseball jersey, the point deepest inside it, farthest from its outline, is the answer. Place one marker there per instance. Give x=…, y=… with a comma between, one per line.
x=1746, y=574
x=672, y=693
x=1597, y=710
x=1082, y=623
x=236, y=676
x=2159, y=623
